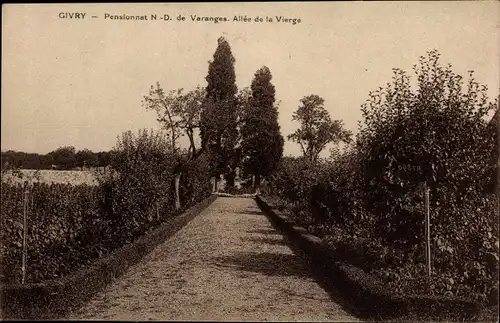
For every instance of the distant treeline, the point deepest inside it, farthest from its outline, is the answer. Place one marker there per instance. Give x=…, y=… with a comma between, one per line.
x=61, y=158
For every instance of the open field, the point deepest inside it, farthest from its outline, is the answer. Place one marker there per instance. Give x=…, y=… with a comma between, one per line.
x=54, y=176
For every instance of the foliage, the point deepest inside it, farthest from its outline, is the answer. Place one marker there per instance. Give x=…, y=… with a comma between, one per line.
x=104, y=158
x=295, y=179
x=436, y=134
x=195, y=182
x=316, y=127
x=64, y=157
x=70, y=225
x=369, y=199
x=14, y=159
x=86, y=158
x=218, y=127
x=415, y=137
x=142, y=174
x=178, y=112
x=262, y=143
x=243, y=99
x=62, y=221
x=338, y=197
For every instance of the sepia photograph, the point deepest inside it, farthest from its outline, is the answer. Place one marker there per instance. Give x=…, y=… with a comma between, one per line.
x=252, y=161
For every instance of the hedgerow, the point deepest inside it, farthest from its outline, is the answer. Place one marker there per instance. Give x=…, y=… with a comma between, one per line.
x=70, y=226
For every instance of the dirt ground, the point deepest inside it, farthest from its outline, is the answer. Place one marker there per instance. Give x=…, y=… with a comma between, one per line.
x=228, y=264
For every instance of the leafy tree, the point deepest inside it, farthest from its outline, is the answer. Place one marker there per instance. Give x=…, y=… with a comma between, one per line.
x=22, y=160
x=46, y=161
x=243, y=99
x=218, y=126
x=316, y=127
x=105, y=158
x=262, y=143
x=86, y=158
x=492, y=128
x=64, y=157
x=436, y=134
x=178, y=112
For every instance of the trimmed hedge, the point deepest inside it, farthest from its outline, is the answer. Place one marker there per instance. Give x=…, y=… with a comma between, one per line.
x=364, y=291
x=52, y=299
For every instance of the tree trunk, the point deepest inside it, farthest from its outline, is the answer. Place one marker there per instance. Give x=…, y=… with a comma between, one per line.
x=230, y=178
x=214, y=184
x=177, y=197
x=191, y=142
x=257, y=184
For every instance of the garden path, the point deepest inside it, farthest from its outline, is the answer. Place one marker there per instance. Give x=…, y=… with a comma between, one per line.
x=228, y=263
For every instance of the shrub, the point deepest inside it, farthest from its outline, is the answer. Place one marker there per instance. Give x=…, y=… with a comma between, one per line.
x=369, y=200
x=295, y=179
x=195, y=180
x=69, y=226
x=140, y=188
x=436, y=134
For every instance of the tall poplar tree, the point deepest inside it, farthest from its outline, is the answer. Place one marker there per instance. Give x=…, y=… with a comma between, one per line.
x=218, y=126
x=262, y=142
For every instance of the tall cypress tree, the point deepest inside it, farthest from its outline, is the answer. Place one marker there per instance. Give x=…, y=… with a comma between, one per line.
x=218, y=126
x=262, y=142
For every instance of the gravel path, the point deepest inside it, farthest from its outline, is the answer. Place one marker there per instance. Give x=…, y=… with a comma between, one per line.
x=226, y=264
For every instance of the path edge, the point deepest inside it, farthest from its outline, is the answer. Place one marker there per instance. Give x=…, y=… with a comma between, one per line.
x=358, y=287
x=54, y=298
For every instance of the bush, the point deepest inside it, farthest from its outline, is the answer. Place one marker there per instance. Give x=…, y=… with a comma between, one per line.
x=437, y=134
x=369, y=201
x=295, y=179
x=69, y=226
x=195, y=182
x=140, y=188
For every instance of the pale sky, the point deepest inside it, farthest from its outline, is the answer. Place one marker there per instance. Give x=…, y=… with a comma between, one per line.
x=81, y=82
